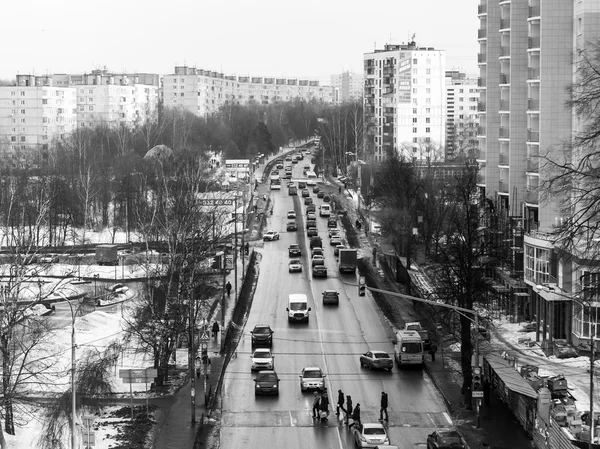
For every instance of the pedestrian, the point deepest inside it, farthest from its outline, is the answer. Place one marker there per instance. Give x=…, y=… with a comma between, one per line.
x=247, y=246
x=340, y=402
x=432, y=351
x=215, y=329
x=384, y=406
x=265, y=197
x=324, y=405
x=228, y=288
x=315, y=409
x=340, y=189
x=356, y=415
x=348, y=407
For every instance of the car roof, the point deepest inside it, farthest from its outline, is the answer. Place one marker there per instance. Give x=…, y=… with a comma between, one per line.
x=311, y=368
x=373, y=425
x=329, y=291
x=262, y=350
x=448, y=433
x=260, y=326
x=378, y=351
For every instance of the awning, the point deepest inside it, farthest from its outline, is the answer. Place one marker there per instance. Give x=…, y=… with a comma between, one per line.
x=511, y=378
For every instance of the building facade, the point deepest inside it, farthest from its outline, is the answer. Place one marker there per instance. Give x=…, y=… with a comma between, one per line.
x=348, y=86
x=462, y=119
x=34, y=114
x=526, y=62
x=204, y=92
x=404, y=102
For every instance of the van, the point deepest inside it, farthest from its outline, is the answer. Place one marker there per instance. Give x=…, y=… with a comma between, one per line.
x=325, y=210
x=408, y=348
x=297, y=308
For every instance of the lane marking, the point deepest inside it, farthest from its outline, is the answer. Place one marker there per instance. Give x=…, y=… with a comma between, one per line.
x=447, y=418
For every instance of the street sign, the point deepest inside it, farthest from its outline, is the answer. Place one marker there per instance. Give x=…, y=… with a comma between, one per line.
x=138, y=376
x=477, y=394
x=216, y=201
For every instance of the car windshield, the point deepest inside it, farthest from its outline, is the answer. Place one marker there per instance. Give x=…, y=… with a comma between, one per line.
x=313, y=374
x=262, y=330
x=412, y=348
x=297, y=306
x=381, y=356
x=262, y=355
x=374, y=431
x=267, y=377
x=294, y=261
x=450, y=440
x=294, y=246
x=413, y=327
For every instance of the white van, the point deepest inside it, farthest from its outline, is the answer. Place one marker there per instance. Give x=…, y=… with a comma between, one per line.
x=297, y=308
x=325, y=210
x=408, y=348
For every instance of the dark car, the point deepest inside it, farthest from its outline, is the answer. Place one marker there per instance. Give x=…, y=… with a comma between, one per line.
x=311, y=224
x=312, y=232
x=316, y=189
x=336, y=249
x=308, y=200
x=321, y=194
x=291, y=226
x=316, y=241
x=327, y=198
x=294, y=250
x=331, y=223
x=319, y=271
x=311, y=208
x=266, y=382
x=262, y=335
x=331, y=297
x=305, y=193
x=301, y=185
x=445, y=439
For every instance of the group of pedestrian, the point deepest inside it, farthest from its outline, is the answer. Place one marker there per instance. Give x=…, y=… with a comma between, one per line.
x=320, y=408
x=345, y=405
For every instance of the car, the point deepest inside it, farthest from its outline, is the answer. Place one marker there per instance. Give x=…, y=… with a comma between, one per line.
x=279, y=166
x=326, y=199
x=48, y=258
x=262, y=358
x=270, y=236
x=305, y=193
x=318, y=259
x=311, y=216
x=301, y=185
x=445, y=439
x=331, y=297
x=288, y=159
x=262, y=335
x=291, y=214
x=41, y=309
x=291, y=184
x=312, y=232
x=316, y=241
x=331, y=223
x=275, y=172
x=370, y=435
x=316, y=189
x=306, y=167
x=294, y=161
x=294, y=250
x=321, y=194
x=336, y=249
x=316, y=251
x=312, y=378
x=335, y=241
x=291, y=226
x=295, y=266
x=266, y=382
x=335, y=232
x=311, y=208
x=311, y=224
x=319, y=271
x=308, y=200
x=377, y=360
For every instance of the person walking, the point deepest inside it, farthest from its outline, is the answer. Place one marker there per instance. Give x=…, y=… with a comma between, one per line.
x=384, y=406
x=228, y=288
x=215, y=329
x=247, y=247
x=340, y=403
x=324, y=406
x=315, y=409
x=356, y=415
x=348, y=408
x=432, y=351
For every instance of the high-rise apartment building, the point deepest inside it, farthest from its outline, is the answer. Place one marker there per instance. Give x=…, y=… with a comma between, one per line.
x=462, y=96
x=34, y=114
x=405, y=102
x=348, y=86
x=203, y=92
x=526, y=62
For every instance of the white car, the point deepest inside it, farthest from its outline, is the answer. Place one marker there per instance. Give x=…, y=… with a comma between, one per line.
x=318, y=259
x=312, y=378
x=270, y=236
x=262, y=358
x=295, y=266
x=334, y=233
x=291, y=214
x=370, y=435
x=48, y=258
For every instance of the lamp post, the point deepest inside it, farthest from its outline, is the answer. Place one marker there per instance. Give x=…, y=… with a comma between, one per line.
x=96, y=276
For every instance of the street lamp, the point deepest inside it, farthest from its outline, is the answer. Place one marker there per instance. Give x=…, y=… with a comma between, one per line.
x=96, y=276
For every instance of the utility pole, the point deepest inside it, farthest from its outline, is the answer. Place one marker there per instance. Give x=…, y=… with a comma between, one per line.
x=235, y=244
x=192, y=353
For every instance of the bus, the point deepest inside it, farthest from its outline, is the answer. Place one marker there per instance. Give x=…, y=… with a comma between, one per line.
x=275, y=183
x=408, y=348
x=311, y=178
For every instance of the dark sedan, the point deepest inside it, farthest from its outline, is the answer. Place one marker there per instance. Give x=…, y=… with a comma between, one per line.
x=266, y=382
x=445, y=439
x=377, y=360
x=319, y=271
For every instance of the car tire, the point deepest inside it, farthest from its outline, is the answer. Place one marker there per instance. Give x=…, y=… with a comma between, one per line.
x=362, y=365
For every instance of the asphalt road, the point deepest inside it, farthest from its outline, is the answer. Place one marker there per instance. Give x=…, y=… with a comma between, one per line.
x=333, y=340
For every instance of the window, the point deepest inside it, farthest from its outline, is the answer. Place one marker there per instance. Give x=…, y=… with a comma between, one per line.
x=414, y=110
x=460, y=91
x=22, y=111
x=415, y=81
x=414, y=61
x=22, y=93
x=427, y=130
x=44, y=101
x=428, y=90
x=13, y=138
x=22, y=138
x=13, y=93
x=90, y=108
x=427, y=110
x=414, y=119
x=414, y=130
x=427, y=120
x=91, y=91
x=428, y=71
x=414, y=140
x=81, y=108
x=427, y=139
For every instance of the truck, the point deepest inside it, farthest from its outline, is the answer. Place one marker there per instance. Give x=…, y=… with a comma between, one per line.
x=348, y=259
x=416, y=326
x=106, y=255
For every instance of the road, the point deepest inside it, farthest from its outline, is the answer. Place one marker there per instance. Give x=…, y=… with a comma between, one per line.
x=333, y=340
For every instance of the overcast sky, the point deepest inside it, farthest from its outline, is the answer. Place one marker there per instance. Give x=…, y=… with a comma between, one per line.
x=303, y=38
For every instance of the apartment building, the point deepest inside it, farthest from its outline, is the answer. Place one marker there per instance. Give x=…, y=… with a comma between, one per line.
x=526, y=62
x=404, y=102
x=203, y=92
x=34, y=114
x=348, y=86
x=462, y=119
x=113, y=99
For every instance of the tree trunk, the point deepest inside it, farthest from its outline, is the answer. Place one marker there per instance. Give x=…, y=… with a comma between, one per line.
x=9, y=424
x=3, y=444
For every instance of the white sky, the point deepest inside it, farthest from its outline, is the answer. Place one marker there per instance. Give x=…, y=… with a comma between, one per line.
x=308, y=38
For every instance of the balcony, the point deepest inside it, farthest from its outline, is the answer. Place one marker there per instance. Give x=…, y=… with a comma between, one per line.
x=533, y=73
x=533, y=165
x=480, y=154
x=481, y=34
x=369, y=102
x=534, y=10
x=481, y=82
x=504, y=78
x=504, y=24
x=533, y=104
x=481, y=131
x=533, y=42
x=505, y=105
x=531, y=195
x=481, y=58
x=505, y=51
x=503, y=159
x=533, y=136
x=481, y=106
x=503, y=133
x=480, y=178
x=502, y=187
x=482, y=9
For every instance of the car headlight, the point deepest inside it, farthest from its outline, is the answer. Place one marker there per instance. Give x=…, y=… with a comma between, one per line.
x=257, y=386
x=386, y=441
x=362, y=438
x=304, y=383
x=275, y=386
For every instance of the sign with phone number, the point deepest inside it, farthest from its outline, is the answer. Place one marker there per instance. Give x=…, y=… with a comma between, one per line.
x=217, y=202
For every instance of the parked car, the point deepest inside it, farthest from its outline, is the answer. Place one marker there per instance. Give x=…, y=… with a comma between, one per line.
x=331, y=223
x=262, y=358
x=312, y=232
x=270, y=236
x=335, y=241
x=316, y=241
x=377, y=360
x=301, y=185
x=321, y=194
x=294, y=250
x=445, y=439
x=311, y=223
x=312, y=378
x=319, y=271
x=335, y=232
x=291, y=214
x=316, y=251
x=305, y=193
x=262, y=335
x=291, y=226
x=295, y=266
x=331, y=297
x=311, y=208
x=308, y=200
x=266, y=382
x=48, y=258
x=311, y=216
x=370, y=435
x=318, y=259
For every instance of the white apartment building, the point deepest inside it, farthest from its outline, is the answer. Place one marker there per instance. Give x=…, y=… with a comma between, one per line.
x=203, y=92
x=348, y=86
x=405, y=102
x=112, y=99
x=462, y=118
x=34, y=114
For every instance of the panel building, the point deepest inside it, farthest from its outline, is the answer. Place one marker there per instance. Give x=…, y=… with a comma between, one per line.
x=462, y=96
x=404, y=102
x=348, y=86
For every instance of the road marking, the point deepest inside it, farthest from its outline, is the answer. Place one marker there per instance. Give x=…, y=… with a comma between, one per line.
x=447, y=417
x=292, y=420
